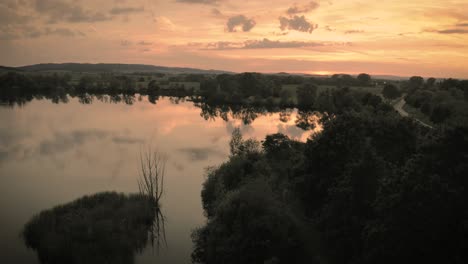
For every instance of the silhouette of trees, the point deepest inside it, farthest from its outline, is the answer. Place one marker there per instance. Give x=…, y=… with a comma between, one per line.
x=390, y=91
x=372, y=187
x=364, y=79
x=101, y=228
x=306, y=95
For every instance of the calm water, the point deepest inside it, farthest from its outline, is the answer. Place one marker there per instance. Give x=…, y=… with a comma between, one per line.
x=51, y=154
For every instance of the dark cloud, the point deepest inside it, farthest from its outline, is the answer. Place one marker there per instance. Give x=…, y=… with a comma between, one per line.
x=328, y=28
x=3, y=155
x=201, y=154
x=453, y=31
x=125, y=43
x=126, y=140
x=144, y=43
x=353, y=31
x=178, y=166
x=26, y=31
x=216, y=12
x=206, y=2
x=261, y=44
x=64, y=32
x=448, y=31
x=298, y=23
x=271, y=44
x=57, y=11
x=296, y=9
x=9, y=15
x=126, y=10
x=63, y=142
x=240, y=21
x=462, y=25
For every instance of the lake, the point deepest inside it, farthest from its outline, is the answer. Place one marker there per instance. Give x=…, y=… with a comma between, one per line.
x=51, y=154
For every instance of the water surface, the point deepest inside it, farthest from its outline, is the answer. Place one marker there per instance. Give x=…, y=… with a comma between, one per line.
x=51, y=154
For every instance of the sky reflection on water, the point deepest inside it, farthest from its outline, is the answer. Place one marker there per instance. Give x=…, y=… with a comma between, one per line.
x=51, y=154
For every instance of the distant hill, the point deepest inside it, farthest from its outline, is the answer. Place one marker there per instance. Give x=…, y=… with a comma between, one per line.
x=5, y=69
x=107, y=67
x=129, y=68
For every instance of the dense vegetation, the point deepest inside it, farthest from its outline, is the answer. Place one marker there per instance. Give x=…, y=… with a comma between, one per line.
x=101, y=228
x=372, y=187
x=444, y=101
x=245, y=89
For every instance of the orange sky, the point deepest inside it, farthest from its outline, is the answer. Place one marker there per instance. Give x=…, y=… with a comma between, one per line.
x=397, y=37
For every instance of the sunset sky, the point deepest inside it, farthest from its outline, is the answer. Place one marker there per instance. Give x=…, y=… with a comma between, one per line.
x=395, y=37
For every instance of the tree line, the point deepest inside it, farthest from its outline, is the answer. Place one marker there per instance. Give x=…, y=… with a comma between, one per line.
x=372, y=187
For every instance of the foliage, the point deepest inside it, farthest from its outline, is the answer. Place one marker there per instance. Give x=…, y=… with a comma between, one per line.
x=364, y=79
x=372, y=187
x=390, y=91
x=101, y=228
x=443, y=102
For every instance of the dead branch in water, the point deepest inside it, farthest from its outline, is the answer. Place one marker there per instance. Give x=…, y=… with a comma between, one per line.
x=152, y=172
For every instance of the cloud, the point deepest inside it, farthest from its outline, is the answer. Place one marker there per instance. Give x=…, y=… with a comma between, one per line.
x=353, y=31
x=10, y=15
x=165, y=23
x=453, y=31
x=125, y=43
x=26, y=31
x=261, y=44
x=448, y=31
x=462, y=25
x=240, y=21
x=216, y=12
x=126, y=140
x=144, y=43
x=3, y=155
x=201, y=154
x=296, y=9
x=57, y=11
x=63, y=142
x=126, y=10
x=206, y=2
x=298, y=23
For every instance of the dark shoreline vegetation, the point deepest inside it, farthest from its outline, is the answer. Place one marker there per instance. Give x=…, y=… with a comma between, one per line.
x=105, y=227
x=440, y=101
x=102, y=228
x=371, y=187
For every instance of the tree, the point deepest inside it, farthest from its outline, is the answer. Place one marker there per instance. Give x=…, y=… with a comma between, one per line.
x=440, y=113
x=416, y=81
x=306, y=95
x=390, y=91
x=250, y=226
x=430, y=82
x=364, y=79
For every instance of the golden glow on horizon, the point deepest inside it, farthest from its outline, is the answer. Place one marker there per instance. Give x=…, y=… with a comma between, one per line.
x=423, y=37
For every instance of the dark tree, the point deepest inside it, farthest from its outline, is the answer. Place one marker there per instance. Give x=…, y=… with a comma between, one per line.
x=306, y=95
x=416, y=81
x=364, y=79
x=390, y=91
